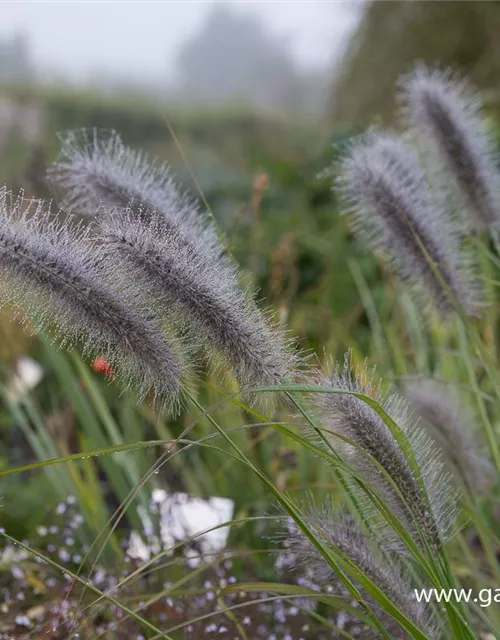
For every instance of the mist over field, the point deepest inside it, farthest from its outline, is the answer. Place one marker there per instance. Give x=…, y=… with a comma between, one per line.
x=166, y=46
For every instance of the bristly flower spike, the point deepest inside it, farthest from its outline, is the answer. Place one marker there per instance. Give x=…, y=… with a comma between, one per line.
x=98, y=173
x=453, y=423
x=391, y=207
x=63, y=280
x=447, y=116
x=430, y=512
x=339, y=532
x=206, y=294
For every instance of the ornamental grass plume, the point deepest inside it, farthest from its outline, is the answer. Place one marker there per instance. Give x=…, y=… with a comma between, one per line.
x=164, y=251
x=205, y=293
x=447, y=116
x=340, y=534
x=428, y=512
x=391, y=206
x=98, y=173
x=454, y=426
x=64, y=281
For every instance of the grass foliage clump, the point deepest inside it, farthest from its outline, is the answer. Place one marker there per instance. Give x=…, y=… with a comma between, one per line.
x=145, y=281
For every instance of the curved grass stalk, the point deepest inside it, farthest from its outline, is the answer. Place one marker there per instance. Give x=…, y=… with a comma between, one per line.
x=338, y=564
x=331, y=600
x=106, y=451
x=222, y=525
x=442, y=572
x=220, y=232
x=119, y=513
x=142, y=570
x=349, y=497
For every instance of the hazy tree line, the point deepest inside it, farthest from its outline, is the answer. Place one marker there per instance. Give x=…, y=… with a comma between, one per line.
x=234, y=58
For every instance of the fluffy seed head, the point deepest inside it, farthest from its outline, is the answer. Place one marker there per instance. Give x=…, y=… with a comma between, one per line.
x=339, y=532
x=156, y=261
x=432, y=512
x=392, y=208
x=455, y=429
x=63, y=280
x=98, y=172
x=447, y=116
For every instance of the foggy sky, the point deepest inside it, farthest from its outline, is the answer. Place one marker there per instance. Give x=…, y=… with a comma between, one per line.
x=141, y=39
